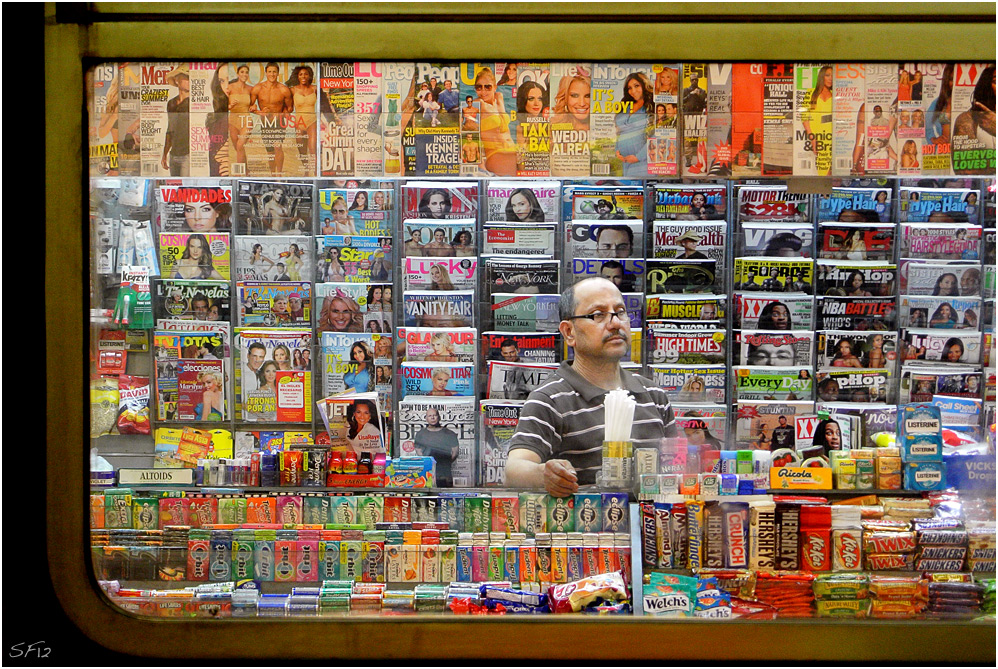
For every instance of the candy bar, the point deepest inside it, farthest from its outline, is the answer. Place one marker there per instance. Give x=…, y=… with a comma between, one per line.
x=890, y=561
x=762, y=535
x=943, y=552
x=847, y=550
x=938, y=565
x=896, y=586
x=888, y=542
x=981, y=566
x=843, y=608
x=509, y=595
x=713, y=536
x=841, y=586
x=921, y=524
x=936, y=537
x=735, y=516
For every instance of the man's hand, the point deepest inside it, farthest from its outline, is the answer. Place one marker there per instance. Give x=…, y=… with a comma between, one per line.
x=560, y=479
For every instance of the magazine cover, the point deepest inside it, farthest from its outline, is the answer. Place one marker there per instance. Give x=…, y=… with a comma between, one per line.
x=694, y=119
x=344, y=307
x=273, y=110
x=354, y=362
x=354, y=422
x=268, y=388
x=702, y=347
x=776, y=240
x=268, y=258
x=773, y=311
x=921, y=382
x=814, y=85
x=499, y=419
x=773, y=348
x=432, y=142
x=493, y=110
x=201, y=391
x=440, y=200
x=855, y=205
x=972, y=108
x=439, y=239
x=515, y=380
x=158, y=93
x=442, y=428
x=208, y=120
x=939, y=205
x=427, y=308
x=688, y=309
x=274, y=208
x=437, y=344
x=940, y=312
x=785, y=384
x=361, y=259
x=605, y=239
x=708, y=432
x=440, y=274
x=628, y=274
x=103, y=106
x=948, y=279
x=194, y=255
x=857, y=313
x=947, y=347
x=856, y=241
x=940, y=241
x=857, y=278
x=924, y=115
x=531, y=128
x=773, y=204
x=194, y=205
x=522, y=201
x=681, y=202
x=705, y=383
x=525, y=313
x=535, y=240
x=540, y=347
x=355, y=211
x=398, y=106
x=571, y=100
x=747, y=96
x=677, y=275
x=846, y=385
x=350, y=141
x=663, y=148
x=881, y=118
x=606, y=203
x=849, y=119
x=437, y=379
x=170, y=349
x=718, y=147
x=521, y=276
x=270, y=304
x=778, y=120
x=621, y=119
x=845, y=348
x=774, y=275
x=689, y=241
x=192, y=300
x=910, y=128
x=756, y=420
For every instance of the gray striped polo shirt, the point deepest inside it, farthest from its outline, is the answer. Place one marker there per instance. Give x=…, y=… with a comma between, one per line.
x=563, y=419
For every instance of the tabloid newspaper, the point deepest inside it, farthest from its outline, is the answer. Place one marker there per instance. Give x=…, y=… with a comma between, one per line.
x=274, y=207
x=534, y=240
x=628, y=274
x=194, y=205
x=857, y=313
x=192, y=300
x=772, y=383
x=691, y=383
x=270, y=258
x=539, y=347
x=847, y=349
x=773, y=311
x=521, y=276
x=571, y=101
x=190, y=377
x=856, y=278
x=880, y=153
x=353, y=307
x=525, y=202
x=524, y=313
x=940, y=241
x=687, y=309
x=814, y=85
x=621, y=119
x=949, y=279
x=940, y=312
x=922, y=382
x=663, y=146
x=273, y=111
x=778, y=120
x=694, y=119
x=676, y=275
x=773, y=348
x=756, y=420
x=354, y=259
x=939, y=205
x=788, y=240
x=774, y=275
x=855, y=205
x=442, y=428
x=437, y=344
x=428, y=308
x=439, y=238
x=356, y=362
x=681, y=202
x=440, y=200
x=848, y=114
x=274, y=304
x=515, y=380
x=185, y=255
x=701, y=347
x=945, y=347
x=604, y=239
x=270, y=389
x=436, y=379
x=499, y=419
x=355, y=211
x=440, y=273
x=856, y=241
x=605, y=203
x=350, y=141
x=774, y=204
x=973, y=147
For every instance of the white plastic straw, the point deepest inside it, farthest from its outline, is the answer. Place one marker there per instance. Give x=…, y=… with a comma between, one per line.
x=619, y=415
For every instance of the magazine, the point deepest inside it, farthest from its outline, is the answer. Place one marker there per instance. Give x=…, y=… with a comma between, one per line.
x=355, y=362
x=270, y=304
x=973, y=146
x=521, y=276
x=813, y=102
x=774, y=204
x=192, y=300
x=704, y=431
x=515, y=380
x=857, y=313
x=776, y=240
x=539, y=347
x=525, y=202
x=689, y=241
x=701, y=347
x=676, y=275
x=853, y=385
x=194, y=354
x=437, y=344
x=846, y=349
x=194, y=205
x=945, y=347
x=856, y=241
x=774, y=275
x=698, y=383
x=353, y=307
x=606, y=203
x=848, y=114
x=921, y=118
x=427, y=308
x=880, y=153
x=772, y=383
x=681, y=202
x=360, y=259
x=103, y=105
x=268, y=258
x=856, y=278
x=440, y=274
x=440, y=200
x=628, y=274
x=921, y=382
x=756, y=420
x=953, y=241
x=663, y=146
x=773, y=311
x=621, y=119
x=499, y=420
x=194, y=255
x=355, y=212
x=518, y=240
x=439, y=239
x=718, y=121
x=354, y=422
x=778, y=120
x=604, y=239
x=694, y=308
x=694, y=119
x=939, y=205
x=531, y=128
x=947, y=279
x=442, y=428
x=773, y=348
x=940, y=312
x=524, y=313
x=437, y=379
x=337, y=121
x=747, y=119
x=274, y=208
x=267, y=387
x=855, y=205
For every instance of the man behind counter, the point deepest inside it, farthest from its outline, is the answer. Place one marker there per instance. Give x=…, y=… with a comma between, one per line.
x=558, y=442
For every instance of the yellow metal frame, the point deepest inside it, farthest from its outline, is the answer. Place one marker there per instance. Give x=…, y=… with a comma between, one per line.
x=78, y=35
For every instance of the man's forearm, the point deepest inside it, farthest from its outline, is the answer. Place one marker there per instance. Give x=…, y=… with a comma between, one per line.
x=524, y=474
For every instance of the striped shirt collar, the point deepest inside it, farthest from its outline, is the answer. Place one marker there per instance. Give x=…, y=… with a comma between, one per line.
x=588, y=391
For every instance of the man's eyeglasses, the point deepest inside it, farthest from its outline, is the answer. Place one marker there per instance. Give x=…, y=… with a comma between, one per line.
x=601, y=317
